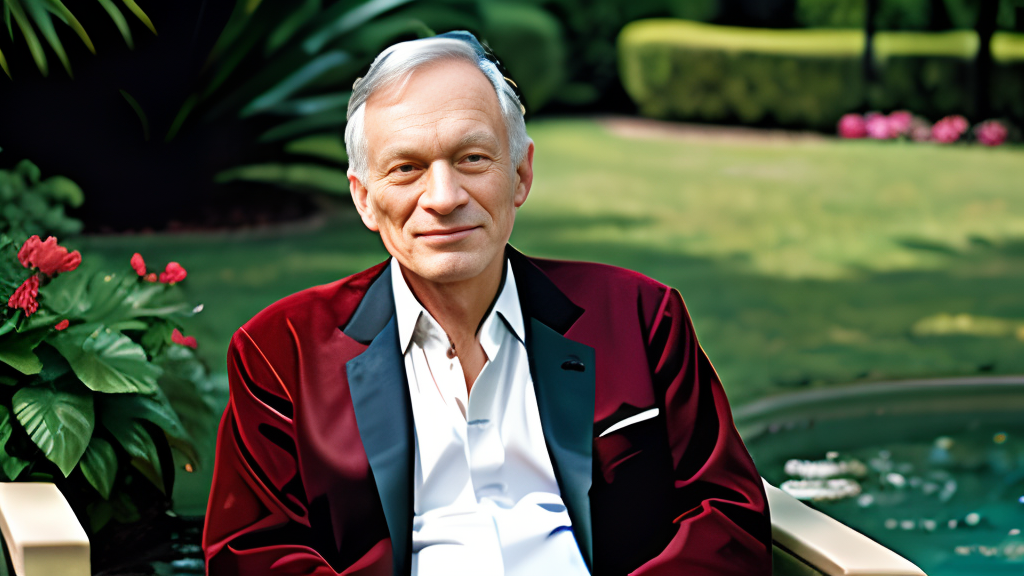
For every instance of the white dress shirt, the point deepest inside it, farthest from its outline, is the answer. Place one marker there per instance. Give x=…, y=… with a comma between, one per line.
x=485, y=497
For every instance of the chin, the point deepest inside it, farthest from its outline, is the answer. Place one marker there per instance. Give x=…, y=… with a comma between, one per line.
x=448, y=267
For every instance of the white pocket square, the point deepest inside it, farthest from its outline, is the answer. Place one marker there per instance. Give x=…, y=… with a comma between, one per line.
x=645, y=415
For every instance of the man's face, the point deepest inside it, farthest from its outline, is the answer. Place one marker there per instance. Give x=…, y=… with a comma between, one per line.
x=440, y=185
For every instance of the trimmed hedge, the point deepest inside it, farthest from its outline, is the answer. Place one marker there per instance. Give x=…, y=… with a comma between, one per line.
x=901, y=14
x=806, y=78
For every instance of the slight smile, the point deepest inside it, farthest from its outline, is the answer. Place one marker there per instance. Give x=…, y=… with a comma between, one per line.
x=447, y=234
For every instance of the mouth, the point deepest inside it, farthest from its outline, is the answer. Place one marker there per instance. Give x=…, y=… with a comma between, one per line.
x=447, y=234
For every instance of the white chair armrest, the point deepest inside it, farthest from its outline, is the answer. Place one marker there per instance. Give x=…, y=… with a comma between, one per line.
x=829, y=545
x=43, y=534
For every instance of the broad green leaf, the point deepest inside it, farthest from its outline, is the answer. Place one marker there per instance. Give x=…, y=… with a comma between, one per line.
x=297, y=80
x=328, y=146
x=153, y=299
x=107, y=361
x=65, y=295
x=301, y=177
x=34, y=46
x=312, y=104
x=318, y=122
x=54, y=364
x=122, y=25
x=154, y=408
x=290, y=25
x=125, y=511
x=12, y=465
x=100, y=512
x=59, y=419
x=347, y=21
x=17, y=350
x=136, y=440
x=128, y=325
x=99, y=465
x=65, y=190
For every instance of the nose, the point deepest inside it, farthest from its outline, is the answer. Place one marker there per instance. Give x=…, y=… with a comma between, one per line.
x=444, y=192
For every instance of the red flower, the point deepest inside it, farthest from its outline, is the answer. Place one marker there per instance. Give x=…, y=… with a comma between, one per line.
x=852, y=126
x=991, y=132
x=61, y=325
x=47, y=256
x=178, y=338
x=138, y=264
x=173, y=273
x=25, y=296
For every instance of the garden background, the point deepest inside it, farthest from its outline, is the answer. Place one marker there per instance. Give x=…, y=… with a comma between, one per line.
x=693, y=141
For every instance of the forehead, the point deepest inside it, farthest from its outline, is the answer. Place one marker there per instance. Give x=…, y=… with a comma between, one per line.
x=433, y=106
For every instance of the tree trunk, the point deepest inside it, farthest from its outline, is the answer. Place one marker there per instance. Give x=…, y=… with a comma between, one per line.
x=985, y=27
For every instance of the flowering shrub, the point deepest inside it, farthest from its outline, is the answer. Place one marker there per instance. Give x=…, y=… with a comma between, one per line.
x=97, y=382
x=991, y=133
x=949, y=129
x=903, y=124
x=852, y=126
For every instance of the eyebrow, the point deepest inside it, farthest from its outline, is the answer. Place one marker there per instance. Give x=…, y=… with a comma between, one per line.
x=475, y=138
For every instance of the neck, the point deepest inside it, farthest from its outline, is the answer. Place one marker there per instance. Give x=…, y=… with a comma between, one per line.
x=459, y=307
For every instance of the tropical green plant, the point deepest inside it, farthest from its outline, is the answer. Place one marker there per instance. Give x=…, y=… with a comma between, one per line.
x=30, y=15
x=97, y=383
x=286, y=68
x=33, y=206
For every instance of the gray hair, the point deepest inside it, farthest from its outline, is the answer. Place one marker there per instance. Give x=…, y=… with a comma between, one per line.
x=398, y=61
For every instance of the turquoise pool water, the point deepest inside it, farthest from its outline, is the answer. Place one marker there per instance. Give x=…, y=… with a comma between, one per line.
x=942, y=481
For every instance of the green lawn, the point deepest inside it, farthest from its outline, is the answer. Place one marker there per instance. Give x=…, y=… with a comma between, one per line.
x=803, y=263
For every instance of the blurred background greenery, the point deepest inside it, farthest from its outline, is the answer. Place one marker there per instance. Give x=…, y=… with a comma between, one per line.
x=210, y=134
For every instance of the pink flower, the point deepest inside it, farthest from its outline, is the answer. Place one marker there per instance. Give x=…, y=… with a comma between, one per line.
x=877, y=126
x=151, y=277
x=173, y=273
x=178, y=338
x=852, y=126
x=61, y=325
x=138, y=264
x=25, y=296
x=900, y=123
x=47, y=256
x=949, y=129
x=991, y=132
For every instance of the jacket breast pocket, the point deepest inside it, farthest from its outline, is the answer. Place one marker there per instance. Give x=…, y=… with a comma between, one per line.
x=628, y=439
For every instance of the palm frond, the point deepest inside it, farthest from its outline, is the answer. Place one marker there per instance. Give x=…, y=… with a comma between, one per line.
x=38, y=15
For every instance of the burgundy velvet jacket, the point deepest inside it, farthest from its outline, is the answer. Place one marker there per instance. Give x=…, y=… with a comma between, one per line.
x=315, y=451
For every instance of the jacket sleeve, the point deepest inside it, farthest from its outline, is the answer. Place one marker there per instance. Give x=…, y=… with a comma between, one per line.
x=723, y=520
x=258, y=519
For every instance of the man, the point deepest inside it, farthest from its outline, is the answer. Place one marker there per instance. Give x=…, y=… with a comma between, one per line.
x=462, y=408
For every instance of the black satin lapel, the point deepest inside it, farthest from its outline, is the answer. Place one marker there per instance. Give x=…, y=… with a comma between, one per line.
x=374, y=310
x=565, y=397
x=538, y=295
x=380, y=398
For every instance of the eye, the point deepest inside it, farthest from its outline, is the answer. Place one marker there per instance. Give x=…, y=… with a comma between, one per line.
x=474, y=158
x=405, y=168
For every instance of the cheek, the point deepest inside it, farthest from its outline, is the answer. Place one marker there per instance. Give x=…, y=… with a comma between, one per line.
x=391, y=209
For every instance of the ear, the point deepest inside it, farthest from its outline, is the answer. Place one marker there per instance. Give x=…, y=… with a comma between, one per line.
x=524, y=177
x=360, y=197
